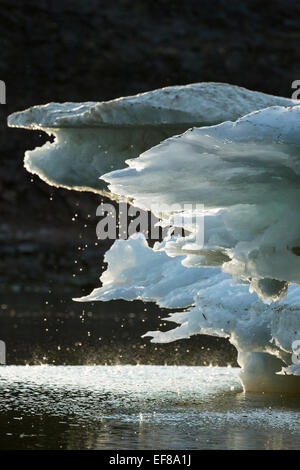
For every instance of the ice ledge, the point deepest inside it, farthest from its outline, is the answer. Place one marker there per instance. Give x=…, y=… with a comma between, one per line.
x=194, y=104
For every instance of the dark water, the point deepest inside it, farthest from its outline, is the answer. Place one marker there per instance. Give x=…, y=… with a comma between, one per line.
x=140, y=407
x=48, y=328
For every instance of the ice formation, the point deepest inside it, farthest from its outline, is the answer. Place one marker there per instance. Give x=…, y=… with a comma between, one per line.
x=93, y=138
x=247, y=173
x=242, y=282
x=214, y=305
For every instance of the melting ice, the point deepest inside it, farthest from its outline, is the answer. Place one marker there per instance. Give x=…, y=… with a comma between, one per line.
x=242, y=161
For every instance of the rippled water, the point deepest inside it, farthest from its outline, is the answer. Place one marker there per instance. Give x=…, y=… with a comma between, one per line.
x=140, y=407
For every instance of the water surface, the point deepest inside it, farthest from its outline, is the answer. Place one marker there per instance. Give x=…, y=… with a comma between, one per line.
x=140, y=407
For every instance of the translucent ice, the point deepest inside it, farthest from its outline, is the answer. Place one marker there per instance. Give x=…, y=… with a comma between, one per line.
x=247, y=174
x=93, y=138
x=243, y=281
x=215, y=305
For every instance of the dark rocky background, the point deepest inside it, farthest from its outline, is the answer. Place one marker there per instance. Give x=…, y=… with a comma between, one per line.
x=79, y=50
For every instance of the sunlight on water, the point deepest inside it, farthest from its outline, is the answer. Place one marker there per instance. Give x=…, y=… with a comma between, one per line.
x=140, y=407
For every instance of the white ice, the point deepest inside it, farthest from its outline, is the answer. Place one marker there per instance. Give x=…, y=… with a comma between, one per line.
x=243, y=282
x=247, y=173
x=93, y=138
x=213, y=304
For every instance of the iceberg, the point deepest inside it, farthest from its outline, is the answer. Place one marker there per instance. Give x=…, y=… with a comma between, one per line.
x=235, y=155
x=246, y=174
x=93, y=138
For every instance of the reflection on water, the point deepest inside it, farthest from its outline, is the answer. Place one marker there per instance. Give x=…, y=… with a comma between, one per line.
x=140, y=407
